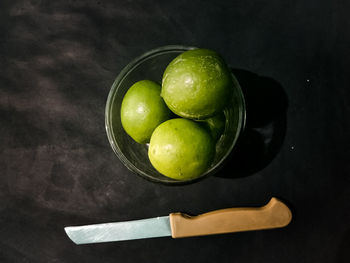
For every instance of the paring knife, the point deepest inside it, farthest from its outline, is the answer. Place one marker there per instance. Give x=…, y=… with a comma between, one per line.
x=275, y=214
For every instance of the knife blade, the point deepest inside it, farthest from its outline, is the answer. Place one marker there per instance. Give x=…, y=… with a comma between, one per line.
x=275, y=214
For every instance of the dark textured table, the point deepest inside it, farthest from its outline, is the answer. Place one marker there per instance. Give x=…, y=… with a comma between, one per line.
x=58, y=60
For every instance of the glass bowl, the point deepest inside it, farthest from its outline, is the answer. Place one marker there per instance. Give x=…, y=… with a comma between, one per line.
x=134, y=156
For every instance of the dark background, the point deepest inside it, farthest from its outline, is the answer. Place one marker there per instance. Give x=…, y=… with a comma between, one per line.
x=58, y=60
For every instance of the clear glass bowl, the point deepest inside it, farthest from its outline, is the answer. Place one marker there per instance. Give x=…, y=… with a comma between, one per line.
x=134, y=156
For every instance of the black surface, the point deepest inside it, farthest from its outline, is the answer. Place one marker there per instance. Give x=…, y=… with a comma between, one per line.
x=58, y=61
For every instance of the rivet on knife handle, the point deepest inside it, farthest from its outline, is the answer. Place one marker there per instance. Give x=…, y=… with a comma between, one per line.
x=275, y=214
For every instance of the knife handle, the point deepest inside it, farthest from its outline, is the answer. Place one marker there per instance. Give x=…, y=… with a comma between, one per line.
x=275, y=214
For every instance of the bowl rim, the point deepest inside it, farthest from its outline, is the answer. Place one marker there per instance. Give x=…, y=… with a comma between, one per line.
x=108, y=126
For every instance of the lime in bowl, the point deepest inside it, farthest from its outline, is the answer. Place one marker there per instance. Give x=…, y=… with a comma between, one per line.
x=151, y=65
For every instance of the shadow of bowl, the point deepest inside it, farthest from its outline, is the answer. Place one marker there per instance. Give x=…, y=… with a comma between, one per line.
x=266, y=123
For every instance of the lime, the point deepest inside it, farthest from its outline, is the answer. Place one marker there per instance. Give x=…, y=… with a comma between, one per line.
x=142, y=110
x=197, y=84
x=181, y=149
x=215, y=125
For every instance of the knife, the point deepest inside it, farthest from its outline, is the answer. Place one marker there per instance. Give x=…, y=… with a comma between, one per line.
x=275, y=214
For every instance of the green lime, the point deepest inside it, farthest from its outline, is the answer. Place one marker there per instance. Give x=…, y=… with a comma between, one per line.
x=215, y=125
x=181, y=149
x=142, y=110
x=197, y=84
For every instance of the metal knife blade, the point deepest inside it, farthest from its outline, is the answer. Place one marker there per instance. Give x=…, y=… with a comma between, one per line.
x=118, y=231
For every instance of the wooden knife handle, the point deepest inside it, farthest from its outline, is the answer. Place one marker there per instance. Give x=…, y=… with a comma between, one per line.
x=275, y=214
